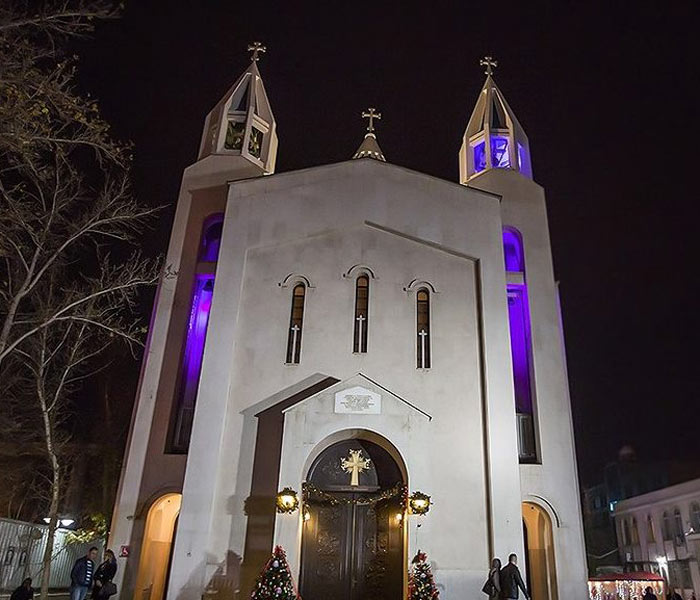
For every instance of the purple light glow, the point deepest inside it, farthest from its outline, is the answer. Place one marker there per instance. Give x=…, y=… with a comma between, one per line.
x=480, y=157
x=196, y=336
x=524, y=161
x=513, y=250
x=519, y=318
x=500, y=157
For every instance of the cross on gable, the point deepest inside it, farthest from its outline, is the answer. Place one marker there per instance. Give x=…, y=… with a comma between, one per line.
x=371, y=115
x=257, y=49
x=489, y=63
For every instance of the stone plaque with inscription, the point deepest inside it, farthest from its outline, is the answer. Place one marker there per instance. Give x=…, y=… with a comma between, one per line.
x=358, y=400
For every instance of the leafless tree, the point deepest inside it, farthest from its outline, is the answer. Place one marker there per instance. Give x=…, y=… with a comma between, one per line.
x=68, y=287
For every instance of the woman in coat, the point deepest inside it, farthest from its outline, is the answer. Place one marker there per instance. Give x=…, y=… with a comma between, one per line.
x=492, y=587
x=104, y=574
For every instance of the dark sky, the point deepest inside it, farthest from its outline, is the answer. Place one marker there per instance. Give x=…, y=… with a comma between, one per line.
x=607, y=95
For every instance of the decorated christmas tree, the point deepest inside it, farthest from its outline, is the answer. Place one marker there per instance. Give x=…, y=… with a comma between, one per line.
x=421, y=585
x=275, y=582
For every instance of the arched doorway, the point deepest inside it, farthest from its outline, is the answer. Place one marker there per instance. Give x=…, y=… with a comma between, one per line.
x=353, y=531
x=156, y=549
x=539, y=544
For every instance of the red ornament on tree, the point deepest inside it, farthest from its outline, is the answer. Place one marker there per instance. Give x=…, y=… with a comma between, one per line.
x=421, y=585
x=275, y=582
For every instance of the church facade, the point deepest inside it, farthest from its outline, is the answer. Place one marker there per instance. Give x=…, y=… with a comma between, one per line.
x=337, y=349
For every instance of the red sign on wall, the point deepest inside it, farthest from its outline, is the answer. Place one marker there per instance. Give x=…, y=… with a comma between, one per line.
x=123, y=551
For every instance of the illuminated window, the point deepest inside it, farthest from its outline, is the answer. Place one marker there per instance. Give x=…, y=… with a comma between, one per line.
x=423, y=328
x=524, y=165
x=195, y=337
x=479, y=156
x=361, y=314
x=520, y=344
x=296, y=323
x=235, y=133
x=650, y=529
x=500, y=156
x=513, y=250
x=695, y=517
x=666, y=526
x=255, y=142
x=635, y=531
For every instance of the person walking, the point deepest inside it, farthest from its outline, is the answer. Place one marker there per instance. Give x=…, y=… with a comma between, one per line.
x=104, y=574
x=492, y=587
x=24, y=591
x=511, y=580
x=81, y=575
x=649, y=594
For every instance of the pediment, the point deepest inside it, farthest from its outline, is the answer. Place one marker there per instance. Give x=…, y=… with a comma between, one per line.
x=358, y=395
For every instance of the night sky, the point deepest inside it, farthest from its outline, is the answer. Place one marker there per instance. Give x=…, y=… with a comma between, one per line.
x=606, y=94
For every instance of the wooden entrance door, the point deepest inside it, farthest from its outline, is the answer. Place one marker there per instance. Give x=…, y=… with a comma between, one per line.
x=351, y=549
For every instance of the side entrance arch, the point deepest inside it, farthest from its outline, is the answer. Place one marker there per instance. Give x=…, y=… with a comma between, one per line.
x=156, y=550
x=353, y=528
x=539, y=545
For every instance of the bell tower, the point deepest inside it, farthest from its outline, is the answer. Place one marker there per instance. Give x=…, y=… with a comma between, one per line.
x=241, y=126
x=494, y=138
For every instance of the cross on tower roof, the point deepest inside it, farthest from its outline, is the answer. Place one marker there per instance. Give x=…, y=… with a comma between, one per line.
x=488, y=62
x=256, y=48
x=371, y=115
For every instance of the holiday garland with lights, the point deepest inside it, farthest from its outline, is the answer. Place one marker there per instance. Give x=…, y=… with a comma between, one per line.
x=275, y=582
x=421, y=585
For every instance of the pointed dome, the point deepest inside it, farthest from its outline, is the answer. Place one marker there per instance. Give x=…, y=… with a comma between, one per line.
x=242, y=123
x=494, y=138
x=369, y=148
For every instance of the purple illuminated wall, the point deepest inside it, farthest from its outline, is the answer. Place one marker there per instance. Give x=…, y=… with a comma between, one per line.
x=520, y=347
x=513, y=250
x=196, y=335
x=519, y=319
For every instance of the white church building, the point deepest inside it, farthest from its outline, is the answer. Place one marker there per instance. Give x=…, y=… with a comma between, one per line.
x=362, y=337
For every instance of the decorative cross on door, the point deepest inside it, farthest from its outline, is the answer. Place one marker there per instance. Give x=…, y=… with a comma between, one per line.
x=355, y=464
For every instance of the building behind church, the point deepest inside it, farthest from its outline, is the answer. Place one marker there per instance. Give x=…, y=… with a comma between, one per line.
x=372, y=341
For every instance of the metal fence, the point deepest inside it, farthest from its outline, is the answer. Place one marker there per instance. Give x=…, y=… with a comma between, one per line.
x=22, y=549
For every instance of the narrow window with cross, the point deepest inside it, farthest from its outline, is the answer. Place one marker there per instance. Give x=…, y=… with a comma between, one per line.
x=359, y=343
x=423, y=328
x=296, y=322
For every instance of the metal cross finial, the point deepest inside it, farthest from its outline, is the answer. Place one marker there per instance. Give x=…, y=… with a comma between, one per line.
x=371, y=115
x=489, y=63
x=256, y=48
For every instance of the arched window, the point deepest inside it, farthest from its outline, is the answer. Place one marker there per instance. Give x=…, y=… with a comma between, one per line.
x=667, y=526
x=211, y=238
x=195, y=336
x=635, y=531
x=513, y=250
x=695, y=517
x=423, y=328
x=650, y=529
x=678, y=533
x=296, y=323
x=361, y=325
x=625, y=533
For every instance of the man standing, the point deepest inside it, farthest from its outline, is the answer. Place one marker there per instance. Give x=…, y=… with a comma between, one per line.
x=81, y=575
x=511, y=580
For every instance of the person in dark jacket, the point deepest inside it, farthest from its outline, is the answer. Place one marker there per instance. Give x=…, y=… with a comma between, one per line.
x=104, y=574
x=24, y=591
x=511, y=580
x=82, y=574
x=492, y=587
x=649, y=594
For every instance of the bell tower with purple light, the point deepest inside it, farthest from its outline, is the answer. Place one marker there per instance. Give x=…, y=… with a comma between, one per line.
x=494, y=138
